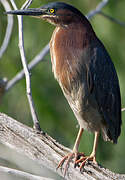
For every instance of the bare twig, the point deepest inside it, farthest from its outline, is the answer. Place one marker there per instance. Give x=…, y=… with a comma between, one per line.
x=39, y=57
x=8, y=28
x=112, y=19
x=97, y=9
x=26, y=70
x=21, y=174
x=27, y=4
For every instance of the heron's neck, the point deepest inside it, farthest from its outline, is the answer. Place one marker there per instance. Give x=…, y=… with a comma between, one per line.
x=74, y=36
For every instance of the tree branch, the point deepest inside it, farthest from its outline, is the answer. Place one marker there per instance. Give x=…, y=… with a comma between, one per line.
x=20, y=174
x=38, y=58
x=112, y=19
x=45, y=151
x=98, y=8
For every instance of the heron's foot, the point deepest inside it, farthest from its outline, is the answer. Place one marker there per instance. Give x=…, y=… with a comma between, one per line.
x=85, y=159
x=74, y=155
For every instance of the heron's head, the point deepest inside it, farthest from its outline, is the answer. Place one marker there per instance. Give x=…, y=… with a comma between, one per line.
x=57, y=13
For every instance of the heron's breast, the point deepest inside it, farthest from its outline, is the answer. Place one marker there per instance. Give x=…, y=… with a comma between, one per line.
x=66, y=48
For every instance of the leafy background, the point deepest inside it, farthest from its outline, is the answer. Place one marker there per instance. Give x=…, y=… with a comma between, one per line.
x=55, y=115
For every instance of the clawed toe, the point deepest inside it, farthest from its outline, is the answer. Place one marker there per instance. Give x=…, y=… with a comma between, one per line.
x=68, y=158
x=85, y=159
x=79, y=160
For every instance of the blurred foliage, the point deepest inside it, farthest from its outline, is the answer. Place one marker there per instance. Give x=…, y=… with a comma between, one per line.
x=55, y=115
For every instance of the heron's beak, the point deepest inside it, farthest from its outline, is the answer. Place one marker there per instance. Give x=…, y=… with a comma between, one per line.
x=28, y=12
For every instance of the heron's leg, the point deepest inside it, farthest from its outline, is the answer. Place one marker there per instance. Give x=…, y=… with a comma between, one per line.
x=75, y=154
x=77, y=142
x=92, y=156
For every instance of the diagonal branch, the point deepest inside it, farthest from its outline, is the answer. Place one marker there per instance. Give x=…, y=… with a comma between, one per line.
x=98, y=8
x=45, y=151
x=38, y=58
x=112, y=19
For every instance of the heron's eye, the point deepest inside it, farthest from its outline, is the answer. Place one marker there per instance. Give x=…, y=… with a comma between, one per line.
x=52, y=11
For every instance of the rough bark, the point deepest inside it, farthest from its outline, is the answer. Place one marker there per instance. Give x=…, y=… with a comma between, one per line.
x=46, y=151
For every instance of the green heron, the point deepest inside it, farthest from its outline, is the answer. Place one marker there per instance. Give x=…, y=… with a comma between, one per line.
x=85, y=73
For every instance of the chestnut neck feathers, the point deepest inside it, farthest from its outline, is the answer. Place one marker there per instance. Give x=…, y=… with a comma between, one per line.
x=66, y=47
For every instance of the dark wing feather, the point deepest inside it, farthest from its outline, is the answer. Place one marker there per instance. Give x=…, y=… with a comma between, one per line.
x=106, y=89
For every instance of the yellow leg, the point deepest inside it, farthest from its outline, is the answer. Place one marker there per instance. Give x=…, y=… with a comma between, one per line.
x=77, y=142
x=93, y=154
x=74, y=154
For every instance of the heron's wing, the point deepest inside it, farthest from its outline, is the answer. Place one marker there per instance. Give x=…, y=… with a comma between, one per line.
x=106, y=89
